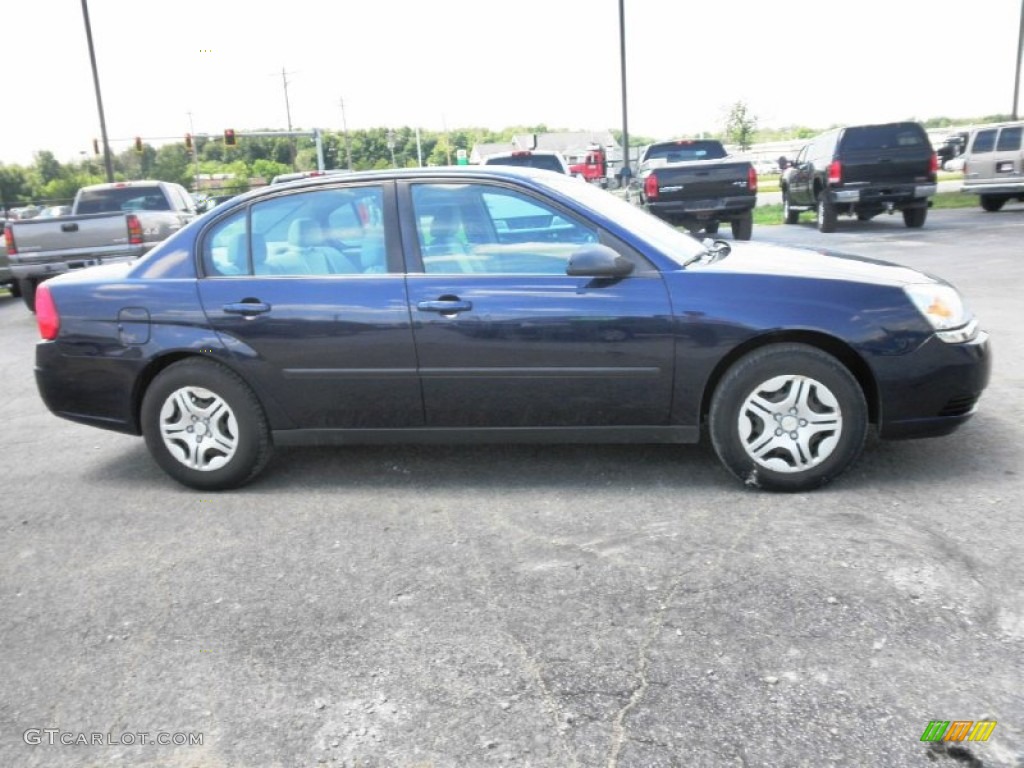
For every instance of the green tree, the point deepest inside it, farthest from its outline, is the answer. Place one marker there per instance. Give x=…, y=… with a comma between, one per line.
x=174, y=163
x=15, y=186
x=740, y=125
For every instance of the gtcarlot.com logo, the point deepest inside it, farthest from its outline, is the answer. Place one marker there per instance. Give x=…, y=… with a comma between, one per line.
x=958, y=730
x=55, y=736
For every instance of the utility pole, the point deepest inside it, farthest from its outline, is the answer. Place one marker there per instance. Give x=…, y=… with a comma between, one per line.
x=287, y=105
x=195, y=151
x=99, y=98
x=344, y=128
x=627, y=170
x=1020, y=55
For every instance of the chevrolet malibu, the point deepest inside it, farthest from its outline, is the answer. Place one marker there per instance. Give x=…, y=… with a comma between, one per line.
x=498, y=305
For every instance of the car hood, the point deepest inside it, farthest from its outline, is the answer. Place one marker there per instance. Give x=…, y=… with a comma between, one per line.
x=787, y=261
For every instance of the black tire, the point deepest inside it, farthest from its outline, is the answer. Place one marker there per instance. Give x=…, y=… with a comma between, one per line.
x=15, y=288
x=27, y=289
x=192, y=389
x=711, y=227
x=800, y=391
x=915, y=217
x=789, y=214
x=827, y=215
x=992, y=203
x=743, y=227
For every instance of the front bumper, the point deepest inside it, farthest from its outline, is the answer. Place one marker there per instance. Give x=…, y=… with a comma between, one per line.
x=934, y=389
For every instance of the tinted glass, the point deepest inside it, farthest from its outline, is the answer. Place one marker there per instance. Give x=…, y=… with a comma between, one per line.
x=124, y=199
x=326, y=232
x=1009, y=139
x=479, y=228
x=679, y=151
x=884, y=137
x=545, y=162
x=984, y=141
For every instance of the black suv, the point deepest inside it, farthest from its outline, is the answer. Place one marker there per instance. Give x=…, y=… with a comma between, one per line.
x=862, y=170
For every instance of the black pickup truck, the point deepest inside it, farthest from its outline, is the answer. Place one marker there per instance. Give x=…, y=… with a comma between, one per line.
x=696, y=184
x=862, y=171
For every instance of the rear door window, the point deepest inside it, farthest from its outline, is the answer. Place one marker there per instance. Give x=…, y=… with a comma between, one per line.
x=1009, y=139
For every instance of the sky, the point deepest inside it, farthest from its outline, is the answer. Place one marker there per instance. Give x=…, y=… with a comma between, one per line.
x=171, y=67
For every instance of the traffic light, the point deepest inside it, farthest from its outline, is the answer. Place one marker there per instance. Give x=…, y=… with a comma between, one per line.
x=229, y=137
x=95, y=146
x=138, y=143
x=188, y=141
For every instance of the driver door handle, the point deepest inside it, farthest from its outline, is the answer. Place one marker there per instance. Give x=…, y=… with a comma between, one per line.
x=246, y=308
x=445, y=306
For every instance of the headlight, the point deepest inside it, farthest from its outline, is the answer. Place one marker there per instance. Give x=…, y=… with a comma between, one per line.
x=943, y=308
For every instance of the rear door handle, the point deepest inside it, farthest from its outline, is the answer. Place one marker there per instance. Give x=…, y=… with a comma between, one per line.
x=69, y=227
x=445, y=306
x=247, y=308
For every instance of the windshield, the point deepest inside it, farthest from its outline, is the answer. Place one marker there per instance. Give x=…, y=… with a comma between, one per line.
x=669, y=241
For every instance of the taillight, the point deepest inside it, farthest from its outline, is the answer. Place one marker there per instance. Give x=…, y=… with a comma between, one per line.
x=9, y=240
x=752, y=179
x=46, y=313
x=134, y=230
x=835, y=172
x=651, y=187
x=933, y=167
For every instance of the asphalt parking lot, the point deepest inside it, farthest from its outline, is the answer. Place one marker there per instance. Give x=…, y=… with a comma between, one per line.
x=528, y=606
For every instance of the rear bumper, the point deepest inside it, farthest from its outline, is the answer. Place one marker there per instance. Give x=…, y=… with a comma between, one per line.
x=721, y=208
x=45, y=269
x=902, y=195
x=932, y=390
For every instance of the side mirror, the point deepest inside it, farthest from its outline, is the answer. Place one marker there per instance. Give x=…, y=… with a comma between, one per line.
x=596, y=260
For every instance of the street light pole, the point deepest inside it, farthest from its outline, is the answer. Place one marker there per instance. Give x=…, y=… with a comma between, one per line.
x=627, y=171
x=99, y=98
x=1020, y=55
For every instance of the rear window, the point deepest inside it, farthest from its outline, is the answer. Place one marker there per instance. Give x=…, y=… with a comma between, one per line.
x=681, y=151
x=898, y=136
x=545, y=162
x=121, y=200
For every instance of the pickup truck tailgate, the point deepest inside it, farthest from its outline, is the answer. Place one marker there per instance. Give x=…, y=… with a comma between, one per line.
x=702, y=182
x=92, y=236
x=887, y=167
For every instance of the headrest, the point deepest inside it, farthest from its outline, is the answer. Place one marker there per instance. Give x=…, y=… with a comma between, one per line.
x=305, y=233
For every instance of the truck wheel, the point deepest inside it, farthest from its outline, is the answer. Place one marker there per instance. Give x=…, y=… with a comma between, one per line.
x=711, y=227
x=790, y=216
x=992, y=203
x=204, y=426
x=914, y=217
x=827, y=215
x=27, y=289
x=788, y=417
x=15, y=288
x=743, y=227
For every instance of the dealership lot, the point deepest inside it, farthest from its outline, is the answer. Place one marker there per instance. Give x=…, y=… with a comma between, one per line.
x=532, y=606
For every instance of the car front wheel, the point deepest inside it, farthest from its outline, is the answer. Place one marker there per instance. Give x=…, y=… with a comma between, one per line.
x=790, y=215
x=204, y=426
x=788, y=417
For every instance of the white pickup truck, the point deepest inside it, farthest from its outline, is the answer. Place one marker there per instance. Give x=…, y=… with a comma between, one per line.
x=108, y=222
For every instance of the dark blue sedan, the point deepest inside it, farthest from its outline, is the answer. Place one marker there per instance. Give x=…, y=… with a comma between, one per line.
x=498, y=305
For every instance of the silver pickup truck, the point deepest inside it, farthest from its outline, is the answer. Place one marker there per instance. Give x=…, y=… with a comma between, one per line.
x=108, y=222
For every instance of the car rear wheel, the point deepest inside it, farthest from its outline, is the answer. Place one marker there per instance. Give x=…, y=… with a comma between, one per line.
x=204, y=426
x=827, y=215
x=915, y=217
x=15, y=288
x=743, y=227
x=992, y=203
x=27, y=289
x=789, y=214
x=788, y=417
x=711, y=227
